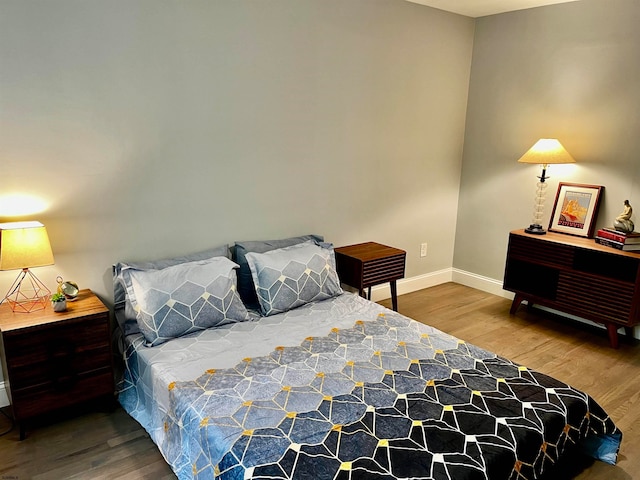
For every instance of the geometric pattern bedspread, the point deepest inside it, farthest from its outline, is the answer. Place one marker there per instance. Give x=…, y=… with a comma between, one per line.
x=377, y=396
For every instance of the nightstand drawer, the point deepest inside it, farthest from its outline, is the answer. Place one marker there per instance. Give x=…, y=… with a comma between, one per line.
x=57, y=353
x=28, y=402
x=382, y=270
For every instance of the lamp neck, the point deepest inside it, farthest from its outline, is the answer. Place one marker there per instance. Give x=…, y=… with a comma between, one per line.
x=543, y=177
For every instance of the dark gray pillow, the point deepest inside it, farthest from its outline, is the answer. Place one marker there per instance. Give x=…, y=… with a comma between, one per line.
x=123, y=309
x=246, y=288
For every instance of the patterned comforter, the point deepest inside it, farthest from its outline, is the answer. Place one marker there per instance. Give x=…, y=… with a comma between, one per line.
x=347, y=389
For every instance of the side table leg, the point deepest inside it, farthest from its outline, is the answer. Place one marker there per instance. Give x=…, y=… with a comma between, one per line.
x=394, y=295
x=369, y=294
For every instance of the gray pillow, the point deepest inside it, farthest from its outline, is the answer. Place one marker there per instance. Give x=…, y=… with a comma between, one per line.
x=184, y=298
x=246, y=287
x=289, y=277
x=123, y=310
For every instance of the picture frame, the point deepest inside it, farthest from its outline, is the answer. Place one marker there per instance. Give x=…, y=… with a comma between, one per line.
x=575, y=209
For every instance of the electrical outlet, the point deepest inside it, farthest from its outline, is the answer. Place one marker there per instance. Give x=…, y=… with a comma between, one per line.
x=423, y=249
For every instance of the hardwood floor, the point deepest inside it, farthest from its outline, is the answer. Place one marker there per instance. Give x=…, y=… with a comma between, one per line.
x=110, y=444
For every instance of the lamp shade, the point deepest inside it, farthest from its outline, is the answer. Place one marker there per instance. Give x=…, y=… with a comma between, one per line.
x=547, y=151
x=24, y=245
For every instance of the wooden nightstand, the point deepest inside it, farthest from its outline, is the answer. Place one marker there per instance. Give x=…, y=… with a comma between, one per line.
x=54, y=360
x=366, y=264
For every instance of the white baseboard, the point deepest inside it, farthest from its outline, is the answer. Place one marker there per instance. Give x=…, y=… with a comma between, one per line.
x=4, y=399
x=486, y=284
x=413, y=284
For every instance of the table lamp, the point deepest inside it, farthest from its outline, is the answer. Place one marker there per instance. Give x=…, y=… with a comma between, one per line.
x=24, y=245
x=544, y=152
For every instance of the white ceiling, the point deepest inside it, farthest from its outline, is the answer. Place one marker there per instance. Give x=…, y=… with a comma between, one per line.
x=480, y=8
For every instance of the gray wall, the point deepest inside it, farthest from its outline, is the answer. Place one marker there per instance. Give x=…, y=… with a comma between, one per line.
x=568, y=71
x=153, y=128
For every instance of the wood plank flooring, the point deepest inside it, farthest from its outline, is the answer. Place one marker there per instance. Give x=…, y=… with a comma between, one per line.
x=111, y=445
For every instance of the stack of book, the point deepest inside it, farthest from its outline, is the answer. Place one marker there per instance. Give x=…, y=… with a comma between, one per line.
x=620, y=240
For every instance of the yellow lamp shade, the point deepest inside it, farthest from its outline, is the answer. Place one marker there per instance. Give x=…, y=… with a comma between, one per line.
x=547, y=151
x=24, y=245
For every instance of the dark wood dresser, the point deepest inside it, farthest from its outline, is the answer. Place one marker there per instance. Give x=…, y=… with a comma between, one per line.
x=575, y=275
x=53, y=360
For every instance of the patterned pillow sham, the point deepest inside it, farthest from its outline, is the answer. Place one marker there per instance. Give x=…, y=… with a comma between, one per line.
x=123, y=310
x=246, y=288
x=289, y=277
x=184, y=298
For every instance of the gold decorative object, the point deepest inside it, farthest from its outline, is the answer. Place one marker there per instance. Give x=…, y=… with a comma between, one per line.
x=68, y=289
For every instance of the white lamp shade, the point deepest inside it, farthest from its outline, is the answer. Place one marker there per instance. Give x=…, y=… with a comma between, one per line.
x=24, y=245
x=547, y=151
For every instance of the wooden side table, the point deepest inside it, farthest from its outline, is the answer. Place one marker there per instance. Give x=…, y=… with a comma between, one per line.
x=53, y=359
x=366, y=264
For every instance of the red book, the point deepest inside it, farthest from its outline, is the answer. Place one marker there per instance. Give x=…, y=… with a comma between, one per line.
x=627, y=239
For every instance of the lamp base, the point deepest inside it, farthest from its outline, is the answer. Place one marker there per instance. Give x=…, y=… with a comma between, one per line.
x=535, y=229
x=27, y=294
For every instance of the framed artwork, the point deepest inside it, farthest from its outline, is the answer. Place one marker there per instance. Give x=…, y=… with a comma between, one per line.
x=575, y=209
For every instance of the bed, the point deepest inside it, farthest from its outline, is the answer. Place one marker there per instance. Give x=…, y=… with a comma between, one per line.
x=330, y=386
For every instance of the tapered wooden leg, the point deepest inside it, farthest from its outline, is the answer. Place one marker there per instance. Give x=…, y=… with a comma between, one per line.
x=517, y=300
x=612, y=329
x=394, y=295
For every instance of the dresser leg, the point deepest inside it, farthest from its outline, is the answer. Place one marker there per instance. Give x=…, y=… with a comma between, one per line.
x=516, y=303
x=612, y=329
x=23, y=433
x=394, y=295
